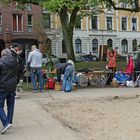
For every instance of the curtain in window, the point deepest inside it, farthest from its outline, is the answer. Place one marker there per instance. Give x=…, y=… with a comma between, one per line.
x=14, y=23
x=19, y=22
x=124, y=46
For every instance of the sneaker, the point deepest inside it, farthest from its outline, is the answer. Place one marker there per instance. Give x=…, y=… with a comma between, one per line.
x=17, y=97
x=42, y=91
x=34, y=91
x=6, y=128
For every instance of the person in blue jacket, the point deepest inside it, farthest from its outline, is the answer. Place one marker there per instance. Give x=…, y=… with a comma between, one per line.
x=68, y=70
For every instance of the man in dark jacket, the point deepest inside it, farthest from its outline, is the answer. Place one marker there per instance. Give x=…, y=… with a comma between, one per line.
x=16, y=51
x=8, y=83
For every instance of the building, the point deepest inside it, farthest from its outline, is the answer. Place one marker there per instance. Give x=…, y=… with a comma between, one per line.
x=116, y=29
x=16, y=25
x=93, y=33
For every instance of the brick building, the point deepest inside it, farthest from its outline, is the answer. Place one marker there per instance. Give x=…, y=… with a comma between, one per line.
x=16, y=25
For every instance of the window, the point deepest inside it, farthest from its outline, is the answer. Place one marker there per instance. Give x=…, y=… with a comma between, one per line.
x=78, y=46
x=110, y=43
x=109, y=23
x=124, y=23
x=64, y=50
x=124, y=5
x=133, y=4
x=78, y=22
x=134, y=45
x=94, y=22
x=29, y=23
x=124, y=45
x=108, y=6
x=94, y=45
x=0, y=22
x=17, y=22
x=134, y=24
x=29, y=7
x=47, y=20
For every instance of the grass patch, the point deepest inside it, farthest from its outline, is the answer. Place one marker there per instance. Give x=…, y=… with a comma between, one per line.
x=98, y=65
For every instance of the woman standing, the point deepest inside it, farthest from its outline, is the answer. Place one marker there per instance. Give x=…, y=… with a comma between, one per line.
x=111, y=55
x=130, y=67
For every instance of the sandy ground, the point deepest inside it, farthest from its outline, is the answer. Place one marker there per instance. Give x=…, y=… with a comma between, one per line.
x=105, y=118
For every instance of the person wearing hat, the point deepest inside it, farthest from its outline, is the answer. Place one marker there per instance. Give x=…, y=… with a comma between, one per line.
x=67, y=84
x=68, y=70
x=8, y=83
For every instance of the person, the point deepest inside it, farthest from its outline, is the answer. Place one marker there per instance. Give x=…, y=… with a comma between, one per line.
x=8, y=83
x=68, y=70
x=35, y=63
x=130, y=67
x=68, y=75
x=111, y=56
x=137, y=67
x=60, y=69
x=16, y=51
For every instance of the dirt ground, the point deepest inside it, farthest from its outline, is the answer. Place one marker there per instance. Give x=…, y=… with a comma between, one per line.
x=105, y=118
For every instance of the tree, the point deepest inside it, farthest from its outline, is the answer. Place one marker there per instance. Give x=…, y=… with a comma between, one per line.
x=68, y=10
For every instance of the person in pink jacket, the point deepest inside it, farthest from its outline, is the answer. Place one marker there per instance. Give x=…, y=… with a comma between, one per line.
x=111, y=55
x=130, y=67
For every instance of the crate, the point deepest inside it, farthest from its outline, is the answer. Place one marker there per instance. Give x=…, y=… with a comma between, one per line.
x=58, y=86
x=83, y=81
x=114, y=83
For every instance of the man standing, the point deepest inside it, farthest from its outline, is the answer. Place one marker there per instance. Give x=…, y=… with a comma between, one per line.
x=35, y=63
x=16, y=51
x=8, y=83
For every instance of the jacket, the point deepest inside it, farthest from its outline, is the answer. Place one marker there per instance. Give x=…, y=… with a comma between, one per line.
x=8, y=73
x=35, y=59
x=60, y=68
x=112, y=59
x=130, y=66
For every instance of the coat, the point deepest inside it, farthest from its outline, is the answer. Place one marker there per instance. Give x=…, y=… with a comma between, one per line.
x=112, y=59
x=8, y=73
x=130, y=66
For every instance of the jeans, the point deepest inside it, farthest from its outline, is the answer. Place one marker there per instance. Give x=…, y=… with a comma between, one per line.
x=36, y=75
x=10, y=101
x=69, y=73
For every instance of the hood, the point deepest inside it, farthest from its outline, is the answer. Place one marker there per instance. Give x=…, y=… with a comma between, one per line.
x=10, y=61
x=37, y=50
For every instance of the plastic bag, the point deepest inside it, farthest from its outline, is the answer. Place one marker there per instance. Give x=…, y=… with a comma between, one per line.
x=68, y=86
x=121, y=77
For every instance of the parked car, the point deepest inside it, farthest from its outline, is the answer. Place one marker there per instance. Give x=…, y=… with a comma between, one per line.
x=86, y=57
x=46, y=59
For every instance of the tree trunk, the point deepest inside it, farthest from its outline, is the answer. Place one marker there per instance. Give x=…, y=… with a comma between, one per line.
x=68, y=38
x=67, y=29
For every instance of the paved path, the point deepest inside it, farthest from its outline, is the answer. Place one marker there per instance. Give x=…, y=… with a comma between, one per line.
x=32, y=122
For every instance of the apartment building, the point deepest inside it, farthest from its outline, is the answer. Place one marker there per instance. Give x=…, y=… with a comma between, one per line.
x=116, y=29
x=16, y=25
